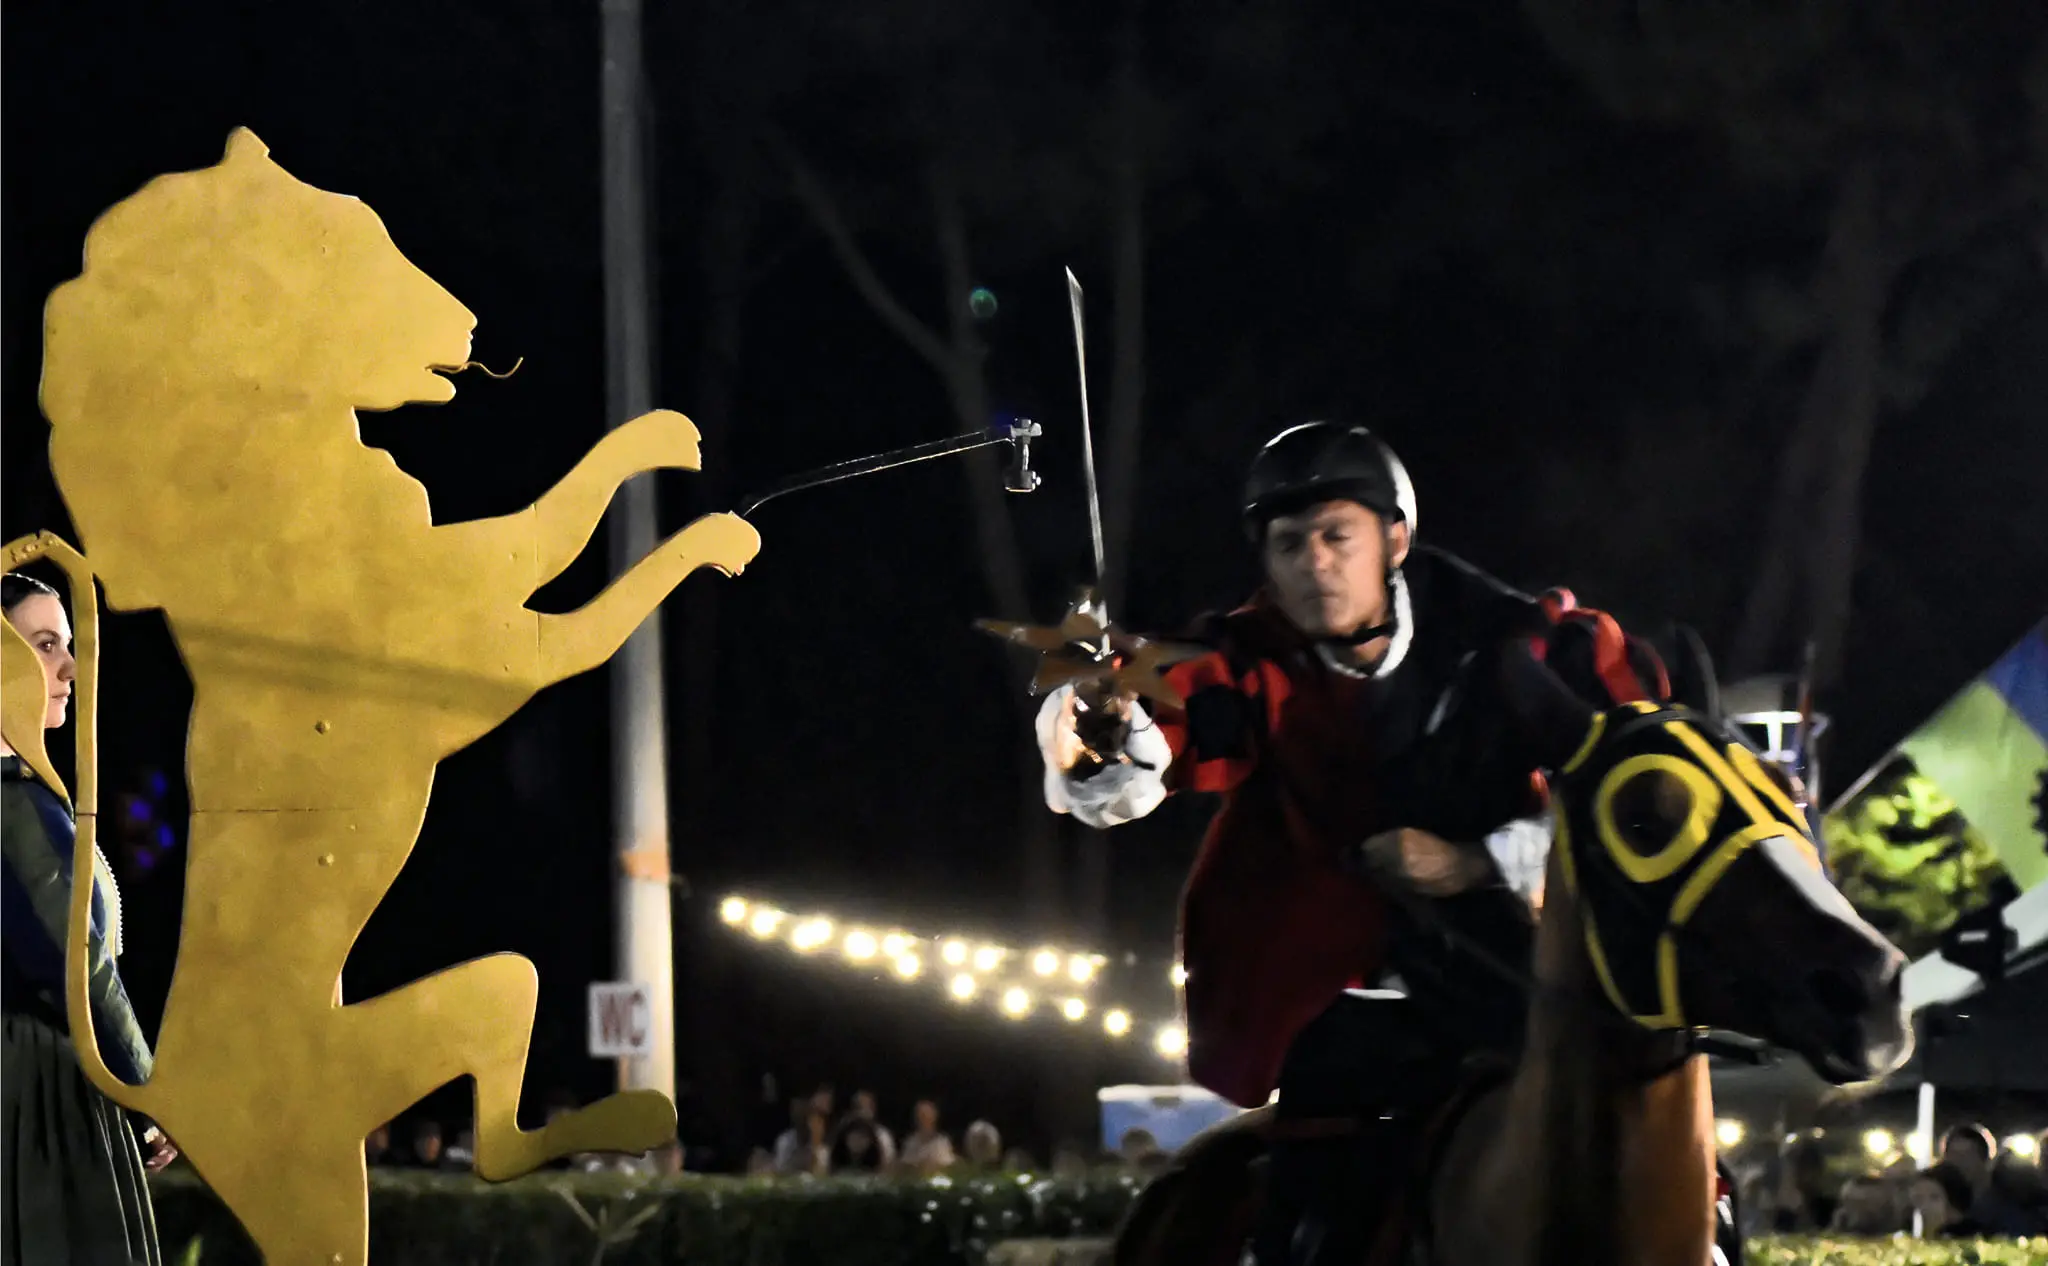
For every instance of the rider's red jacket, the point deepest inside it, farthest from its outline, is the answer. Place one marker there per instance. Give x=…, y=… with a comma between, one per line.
x=1310, y=761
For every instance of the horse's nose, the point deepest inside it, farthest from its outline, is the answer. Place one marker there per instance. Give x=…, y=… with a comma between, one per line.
x=1852, y=992
x=1841, y=991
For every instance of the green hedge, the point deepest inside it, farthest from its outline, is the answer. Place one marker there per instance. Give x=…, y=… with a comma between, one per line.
x=1808, y=1251
x=424, y=1219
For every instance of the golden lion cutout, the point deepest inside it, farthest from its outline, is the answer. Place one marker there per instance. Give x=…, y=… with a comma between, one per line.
x=202, y=377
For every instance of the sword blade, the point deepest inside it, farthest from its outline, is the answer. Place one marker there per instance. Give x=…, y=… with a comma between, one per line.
x=1087, y=432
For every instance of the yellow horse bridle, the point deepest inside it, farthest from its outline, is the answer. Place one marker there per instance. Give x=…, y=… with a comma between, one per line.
x=1733, y=804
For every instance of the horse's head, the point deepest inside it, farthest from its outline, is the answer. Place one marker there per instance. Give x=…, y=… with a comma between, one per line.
x=1704, y=901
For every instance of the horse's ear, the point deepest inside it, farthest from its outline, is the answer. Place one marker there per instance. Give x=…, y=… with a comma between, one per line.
x=1551, y=719
x=1693, y=682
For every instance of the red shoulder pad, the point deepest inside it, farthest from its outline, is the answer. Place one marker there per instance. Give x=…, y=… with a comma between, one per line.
x=1596, y=657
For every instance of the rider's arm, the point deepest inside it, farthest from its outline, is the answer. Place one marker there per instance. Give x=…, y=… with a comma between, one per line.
x=1107, y=795
x=1200, y=748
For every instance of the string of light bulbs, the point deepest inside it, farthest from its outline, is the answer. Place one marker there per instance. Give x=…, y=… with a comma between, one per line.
x=970, y=970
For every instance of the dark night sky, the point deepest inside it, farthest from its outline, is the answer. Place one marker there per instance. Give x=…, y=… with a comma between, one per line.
x=1548, y=377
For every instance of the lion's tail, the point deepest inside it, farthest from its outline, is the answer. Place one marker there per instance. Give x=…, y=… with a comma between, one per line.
x=78, y=975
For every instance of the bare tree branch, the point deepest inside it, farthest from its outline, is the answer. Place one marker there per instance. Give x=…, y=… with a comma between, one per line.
x=824, y=211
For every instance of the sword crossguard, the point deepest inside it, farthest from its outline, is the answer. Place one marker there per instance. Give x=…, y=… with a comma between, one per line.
x=1085, y=649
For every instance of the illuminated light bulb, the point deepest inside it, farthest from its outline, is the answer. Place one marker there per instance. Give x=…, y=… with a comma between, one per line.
x=1074, y=1009
x=1877, y=1142
x=2024, y=1146
x=953, y=953
x=1015, y=1002
x=765, y=922
x=1081, y=969
x=908, y=965
x=1729, y=1133
x=962, y=987
x=811, y=934
x=1045, y=962
x=733, y=910
x=1179, y=975
x=987, y=958
x=1172, y=1041
x=1116, y=1023
x=895, y=945
x=860, y=946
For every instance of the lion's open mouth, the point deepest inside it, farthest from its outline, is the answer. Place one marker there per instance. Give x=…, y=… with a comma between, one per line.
x=479, y=366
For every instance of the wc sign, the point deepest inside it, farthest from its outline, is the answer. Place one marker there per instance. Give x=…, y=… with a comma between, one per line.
x=621, y=1021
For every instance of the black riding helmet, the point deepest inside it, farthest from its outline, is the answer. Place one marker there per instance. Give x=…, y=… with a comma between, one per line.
x=1326, y=461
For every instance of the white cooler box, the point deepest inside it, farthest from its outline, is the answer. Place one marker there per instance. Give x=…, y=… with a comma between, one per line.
x=1173, y=1114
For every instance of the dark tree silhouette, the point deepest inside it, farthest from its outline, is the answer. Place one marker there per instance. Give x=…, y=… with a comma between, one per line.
x=1919, y=131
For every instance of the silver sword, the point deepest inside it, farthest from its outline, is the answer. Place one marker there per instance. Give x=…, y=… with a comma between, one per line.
x=1092, y=604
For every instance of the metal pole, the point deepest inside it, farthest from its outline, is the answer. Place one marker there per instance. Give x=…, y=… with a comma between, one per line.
x=645, y=948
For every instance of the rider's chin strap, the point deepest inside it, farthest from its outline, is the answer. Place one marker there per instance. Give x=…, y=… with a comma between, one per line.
x=1334, y=651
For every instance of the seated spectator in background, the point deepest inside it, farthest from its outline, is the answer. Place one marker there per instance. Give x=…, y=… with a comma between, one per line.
x=856, y=1148
x=1019, y=1160
x=863, y=1109
x=796, y=1127
x=1136, y=1147
x=461, y=1154
x=1069, y=1160
x=769, y=1116
x=426, y=1145
x=1802, y=1201
x=927, y=1150
x=1868, y=1206
x=377, y=1147
x=2017, y=1200
x=806, y=1149
x=1972, y=1151
x=1942, y=1197
x=983, y=1144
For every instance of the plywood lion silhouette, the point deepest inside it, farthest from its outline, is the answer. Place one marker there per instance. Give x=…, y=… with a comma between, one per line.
x=202, y=377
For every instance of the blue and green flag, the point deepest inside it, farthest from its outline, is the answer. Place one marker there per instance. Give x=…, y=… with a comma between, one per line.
x=1957, y=812
x=1988, y=750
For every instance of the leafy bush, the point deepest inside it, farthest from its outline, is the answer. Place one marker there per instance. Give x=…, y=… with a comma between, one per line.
x=1907, y=859
x=561, y=1219
x=1811, y=1251
x=428, y=1219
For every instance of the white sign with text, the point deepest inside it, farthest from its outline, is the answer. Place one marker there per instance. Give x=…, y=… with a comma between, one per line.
x=621, y=1021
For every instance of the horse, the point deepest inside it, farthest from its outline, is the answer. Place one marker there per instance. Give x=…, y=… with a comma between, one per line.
x=1684, y=894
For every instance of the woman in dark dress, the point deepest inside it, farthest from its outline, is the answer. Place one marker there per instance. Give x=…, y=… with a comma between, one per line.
x=73, y=1186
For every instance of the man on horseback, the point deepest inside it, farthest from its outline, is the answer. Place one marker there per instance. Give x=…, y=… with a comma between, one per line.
x=1356, y=920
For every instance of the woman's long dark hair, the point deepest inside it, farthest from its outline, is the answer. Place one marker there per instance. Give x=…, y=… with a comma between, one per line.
x=16, y=589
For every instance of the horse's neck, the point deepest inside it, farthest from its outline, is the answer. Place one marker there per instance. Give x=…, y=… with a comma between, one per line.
x=1615, y=1169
